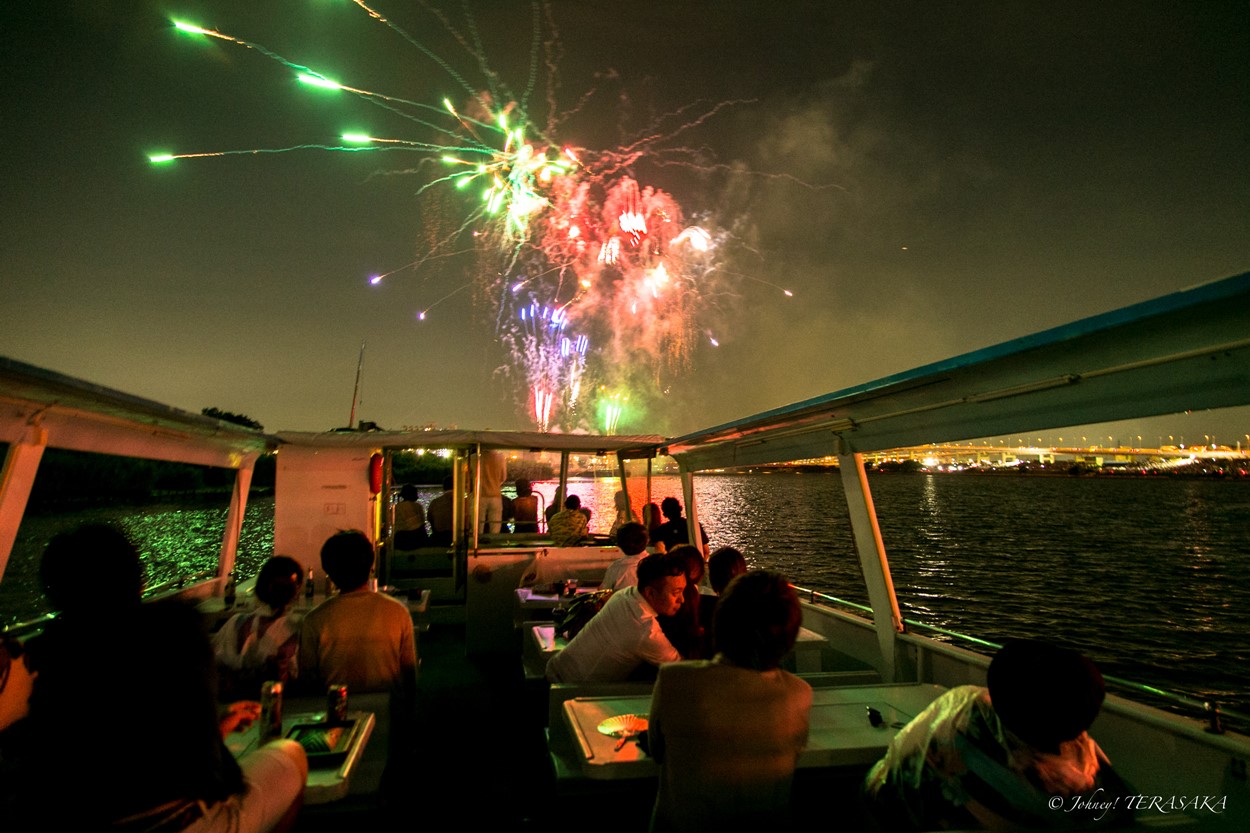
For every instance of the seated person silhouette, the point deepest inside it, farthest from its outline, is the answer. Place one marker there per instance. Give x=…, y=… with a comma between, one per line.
x=261, y=644
x=685, y=628
x=441, y=515
x=359, y=638
x=998, y=757
x=674, y=530
x=568, y=526
x=410, y=531
x=631, y=539
x=153, y=664
x=727, y=732
x=723, y=566
x=525, y=506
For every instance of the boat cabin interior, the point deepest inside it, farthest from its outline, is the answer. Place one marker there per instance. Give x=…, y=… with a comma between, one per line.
x=496, y=747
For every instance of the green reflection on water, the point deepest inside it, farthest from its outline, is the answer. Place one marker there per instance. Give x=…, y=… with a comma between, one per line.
x=174, y=541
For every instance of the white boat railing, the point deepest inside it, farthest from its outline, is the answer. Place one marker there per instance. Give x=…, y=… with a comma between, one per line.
x=1207, y=710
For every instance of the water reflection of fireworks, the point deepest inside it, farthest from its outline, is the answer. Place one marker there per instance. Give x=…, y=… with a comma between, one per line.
x=599, y=290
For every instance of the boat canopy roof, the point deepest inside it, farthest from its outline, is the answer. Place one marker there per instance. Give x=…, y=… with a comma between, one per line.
x=626, y=446
x=1188, y=350
x=80, y=416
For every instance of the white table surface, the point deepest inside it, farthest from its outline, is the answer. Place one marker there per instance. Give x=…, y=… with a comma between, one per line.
x=840, y=733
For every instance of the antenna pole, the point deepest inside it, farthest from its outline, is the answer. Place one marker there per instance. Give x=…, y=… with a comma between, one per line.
x=351, y=420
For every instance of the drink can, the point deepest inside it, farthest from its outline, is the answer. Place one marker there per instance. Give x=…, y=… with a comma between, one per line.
x=336, y=704
x=270, y=710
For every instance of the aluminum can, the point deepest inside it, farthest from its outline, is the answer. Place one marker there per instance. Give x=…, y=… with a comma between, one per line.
x=270, y=710
x=336, y=704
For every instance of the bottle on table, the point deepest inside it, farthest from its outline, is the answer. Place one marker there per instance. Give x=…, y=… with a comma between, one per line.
x=230, y=591
x=270, y=710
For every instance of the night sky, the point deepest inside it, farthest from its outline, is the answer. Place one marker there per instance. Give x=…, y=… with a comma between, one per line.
x=928, y=178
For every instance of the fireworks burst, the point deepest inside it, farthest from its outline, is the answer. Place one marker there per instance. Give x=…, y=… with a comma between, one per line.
x=600, y=289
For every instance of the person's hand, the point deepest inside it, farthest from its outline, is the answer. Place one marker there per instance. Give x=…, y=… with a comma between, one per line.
x=236, y=717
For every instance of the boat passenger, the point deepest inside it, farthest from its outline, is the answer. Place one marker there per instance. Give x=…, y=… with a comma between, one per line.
x=525, y=506
x=621, y=501
x=652, y=519
x=409, y=520
x=1015, y=754
x=493, y=470
x=172, y=772
x=441, y=514
x=508, y=523
x=727, y=732
x=723, y=566
x=568, y=526
x=684, y=628
x=262, y=644
x=557, y=503
x=624, y=639
x=631, y=539
x=359, y=638
x=673, y=531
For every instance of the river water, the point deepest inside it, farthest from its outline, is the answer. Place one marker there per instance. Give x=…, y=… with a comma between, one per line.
x=1150, y=577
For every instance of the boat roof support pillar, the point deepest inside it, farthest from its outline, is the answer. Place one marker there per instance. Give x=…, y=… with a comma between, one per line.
x=16, y=479
x=477, y=496
x=692, y=511
x=886, y=617
x=459, y=486
x=234, y=517
x=629, y=504
x=563, y=491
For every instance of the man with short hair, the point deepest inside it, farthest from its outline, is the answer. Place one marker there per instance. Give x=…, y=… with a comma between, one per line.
x=625, y=637
x=623, y=572
x=359, y=638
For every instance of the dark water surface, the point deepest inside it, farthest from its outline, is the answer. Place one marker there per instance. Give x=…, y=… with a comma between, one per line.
x=1150, y=577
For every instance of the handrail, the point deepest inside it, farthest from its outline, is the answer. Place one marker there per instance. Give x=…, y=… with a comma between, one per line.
x=1210, y=711
x=814, y=595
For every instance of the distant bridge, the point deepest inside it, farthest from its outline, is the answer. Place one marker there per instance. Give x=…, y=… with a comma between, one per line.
x=972, y=454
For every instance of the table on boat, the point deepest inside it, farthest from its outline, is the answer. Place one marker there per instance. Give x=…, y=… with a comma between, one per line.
x=364, y=762
x=840, y=733
x=533, y=603
x=542, y=643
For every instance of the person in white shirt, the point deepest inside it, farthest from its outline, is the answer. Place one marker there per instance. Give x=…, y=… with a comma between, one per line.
x=625, y=637
x=623, y=572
